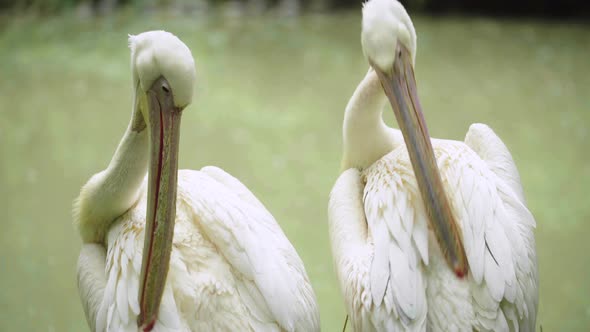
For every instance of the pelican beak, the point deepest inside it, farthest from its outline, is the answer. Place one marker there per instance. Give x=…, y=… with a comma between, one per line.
x=164, y=125
x=400, y=87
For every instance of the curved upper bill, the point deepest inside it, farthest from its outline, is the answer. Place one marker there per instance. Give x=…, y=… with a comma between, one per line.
x=400, y=87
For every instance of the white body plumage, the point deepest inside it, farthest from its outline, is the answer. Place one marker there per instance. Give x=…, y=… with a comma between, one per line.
x=231, y=267
x=392, y=273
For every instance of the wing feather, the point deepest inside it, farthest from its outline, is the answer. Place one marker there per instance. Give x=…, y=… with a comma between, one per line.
x=251, y=240
x=92, y=281
x=122, y=296
x=400, y=236
x=489, y=147
x=277, y=289
x=420, y=233
x=133, y=293
x=495, y=203
x=380, y=265
x=352, y=250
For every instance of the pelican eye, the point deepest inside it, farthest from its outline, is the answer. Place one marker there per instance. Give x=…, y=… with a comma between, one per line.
x=165, y=89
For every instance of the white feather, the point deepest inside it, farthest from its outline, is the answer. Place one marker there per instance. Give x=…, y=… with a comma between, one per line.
x=224, y=238
x=411, y=287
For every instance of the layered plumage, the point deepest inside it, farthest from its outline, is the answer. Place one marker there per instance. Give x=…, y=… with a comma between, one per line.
x=231, y=268
x=392, y=273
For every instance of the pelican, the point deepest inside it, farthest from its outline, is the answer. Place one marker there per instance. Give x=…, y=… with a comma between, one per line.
x=214, y=259
x=426, y=235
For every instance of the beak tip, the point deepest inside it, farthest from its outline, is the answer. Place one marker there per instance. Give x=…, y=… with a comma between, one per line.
x=147, y=327
x=460, y=271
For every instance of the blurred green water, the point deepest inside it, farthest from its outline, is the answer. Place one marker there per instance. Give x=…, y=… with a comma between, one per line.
x=269, y=108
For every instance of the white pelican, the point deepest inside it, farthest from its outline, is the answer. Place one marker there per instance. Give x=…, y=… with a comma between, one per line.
x=214, y=256
x=416, y=249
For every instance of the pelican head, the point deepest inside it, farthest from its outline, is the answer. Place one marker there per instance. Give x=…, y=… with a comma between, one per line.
x=164, y=77
x=385, y=24
x=389, y=44
x=161, y=55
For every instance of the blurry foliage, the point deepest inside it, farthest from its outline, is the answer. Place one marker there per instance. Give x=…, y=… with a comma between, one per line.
x=269, y=103
x=544, y=8
x=52, y=6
